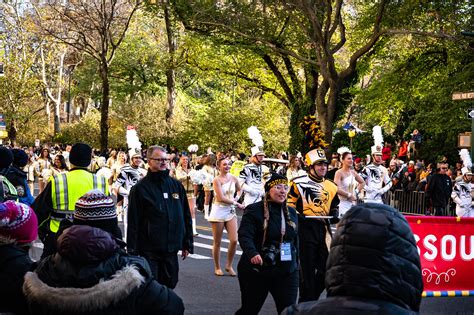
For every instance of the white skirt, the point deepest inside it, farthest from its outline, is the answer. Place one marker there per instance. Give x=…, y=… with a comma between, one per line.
x=221, y=213
x=344, y=206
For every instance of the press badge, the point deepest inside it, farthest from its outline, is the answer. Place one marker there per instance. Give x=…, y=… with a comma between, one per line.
x=285, y=252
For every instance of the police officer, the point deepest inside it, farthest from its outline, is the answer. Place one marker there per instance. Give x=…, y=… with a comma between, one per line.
x=313, y=195
x=57, y=201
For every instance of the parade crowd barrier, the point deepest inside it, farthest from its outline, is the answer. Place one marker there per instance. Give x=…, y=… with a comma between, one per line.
x=446, y=248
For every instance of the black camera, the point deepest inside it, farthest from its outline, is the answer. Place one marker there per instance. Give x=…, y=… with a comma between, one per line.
x=270, y=255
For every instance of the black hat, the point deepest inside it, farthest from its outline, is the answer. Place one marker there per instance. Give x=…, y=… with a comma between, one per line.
x=80, y=155
x=20, y=158
x=6, y=157
x=273, y=179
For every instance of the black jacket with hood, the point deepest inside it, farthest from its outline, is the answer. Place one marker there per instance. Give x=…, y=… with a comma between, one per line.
x=373, y=266
x=90, y=274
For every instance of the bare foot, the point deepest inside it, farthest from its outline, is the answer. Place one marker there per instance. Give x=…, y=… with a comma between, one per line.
x=218, y=272
x=231, y=272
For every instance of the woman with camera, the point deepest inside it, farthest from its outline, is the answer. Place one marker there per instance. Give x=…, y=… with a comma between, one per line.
x=268, y=237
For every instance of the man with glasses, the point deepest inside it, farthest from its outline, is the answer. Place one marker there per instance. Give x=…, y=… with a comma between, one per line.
x=438, y=190
x=251, y=177
x=129, y=175
x=159, y=220
x=313, y=195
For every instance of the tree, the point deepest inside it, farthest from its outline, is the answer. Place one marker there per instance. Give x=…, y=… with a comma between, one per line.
x=94, y=27
x=311, y=47
x=20, y=100
x=412, y=79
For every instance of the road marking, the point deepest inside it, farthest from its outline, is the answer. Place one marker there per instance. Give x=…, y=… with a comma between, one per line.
x=196, y=256
x=197, y=244
x=206, y=228
x=207, y=237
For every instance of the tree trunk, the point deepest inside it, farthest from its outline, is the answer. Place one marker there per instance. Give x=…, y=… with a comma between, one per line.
x=104, y=108
x=170, y=72
x=297, y=137
x=12, y=132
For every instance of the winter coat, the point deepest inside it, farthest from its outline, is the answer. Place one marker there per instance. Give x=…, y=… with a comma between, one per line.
x=18, y=178
x=159, y=220
x=14, y=264
x=373, y=266
x=439, y=189
x=90, y=275
x=251, y=238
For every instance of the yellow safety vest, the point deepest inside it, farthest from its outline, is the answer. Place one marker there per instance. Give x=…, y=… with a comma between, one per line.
x=67, y=188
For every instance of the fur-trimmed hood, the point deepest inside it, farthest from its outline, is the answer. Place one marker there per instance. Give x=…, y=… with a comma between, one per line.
x=104, y=294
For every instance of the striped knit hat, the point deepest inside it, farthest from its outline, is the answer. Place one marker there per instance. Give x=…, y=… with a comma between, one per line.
x=94, y=205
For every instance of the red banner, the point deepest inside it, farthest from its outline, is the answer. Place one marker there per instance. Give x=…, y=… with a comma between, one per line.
x=446, y=247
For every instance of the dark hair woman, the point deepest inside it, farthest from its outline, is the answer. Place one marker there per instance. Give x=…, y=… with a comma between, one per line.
x=59, y=165
x=269, y=263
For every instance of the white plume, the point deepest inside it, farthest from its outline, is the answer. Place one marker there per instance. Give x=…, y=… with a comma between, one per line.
x=342, y=150
x=377, y=135
x=193, y=148
x=133, y=142
x=466, y=158
x=255, y=136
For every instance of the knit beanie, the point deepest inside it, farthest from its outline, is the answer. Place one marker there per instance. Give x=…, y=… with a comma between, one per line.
x=80, y=155
x=20, y=158
x=6, y=157
x=18, y=222
x=274, y=179
x=96, y=209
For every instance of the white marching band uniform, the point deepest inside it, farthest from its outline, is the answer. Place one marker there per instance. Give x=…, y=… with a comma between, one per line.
x=462, y=197
x=461, y=194
x=251, y=179
x=377, y=182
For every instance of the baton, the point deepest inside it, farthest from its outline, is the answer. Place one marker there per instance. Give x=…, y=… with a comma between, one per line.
x=318, y=217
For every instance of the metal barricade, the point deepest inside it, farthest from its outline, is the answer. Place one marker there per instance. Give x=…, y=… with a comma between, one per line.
x=407, y=202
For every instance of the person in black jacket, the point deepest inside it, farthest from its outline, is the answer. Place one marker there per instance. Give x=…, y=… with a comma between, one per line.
x=269, y=263
x=438, y=190
x=90, y=274
x=18, y=229
x=373, y=266
x=18, y=177
x=159, y=220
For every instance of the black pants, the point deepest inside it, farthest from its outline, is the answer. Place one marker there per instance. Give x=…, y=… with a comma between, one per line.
x=165, y=267
x=313, y=256
x=441, y=211
x=254, y=289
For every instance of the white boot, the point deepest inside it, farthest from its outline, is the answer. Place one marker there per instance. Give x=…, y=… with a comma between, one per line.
x=206, y=212
x=195, y=233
